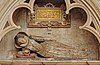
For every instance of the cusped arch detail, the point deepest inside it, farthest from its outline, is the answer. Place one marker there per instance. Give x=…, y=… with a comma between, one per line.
x=17, y=7
x=86, y=26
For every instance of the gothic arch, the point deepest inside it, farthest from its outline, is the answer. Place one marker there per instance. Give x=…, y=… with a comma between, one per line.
x=92, y=16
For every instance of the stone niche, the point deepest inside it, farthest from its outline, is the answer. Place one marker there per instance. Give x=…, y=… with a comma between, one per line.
x=74, y=43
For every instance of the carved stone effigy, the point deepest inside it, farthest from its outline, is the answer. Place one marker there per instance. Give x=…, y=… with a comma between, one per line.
x=40, y=45
x=48, y=48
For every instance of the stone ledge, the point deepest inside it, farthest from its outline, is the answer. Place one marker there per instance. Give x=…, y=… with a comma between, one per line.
x=33, y=62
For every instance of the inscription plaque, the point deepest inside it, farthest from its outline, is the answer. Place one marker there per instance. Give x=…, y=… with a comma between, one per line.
x=44, y=17
x=48, y=14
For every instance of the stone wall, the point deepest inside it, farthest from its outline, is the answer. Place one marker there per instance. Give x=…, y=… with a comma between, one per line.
x=84, y=42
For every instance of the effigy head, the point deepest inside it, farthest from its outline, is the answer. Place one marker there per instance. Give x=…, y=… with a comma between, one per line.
x=21, y=40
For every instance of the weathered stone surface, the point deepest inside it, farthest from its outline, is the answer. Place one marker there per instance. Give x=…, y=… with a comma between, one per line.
x=84, y=42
